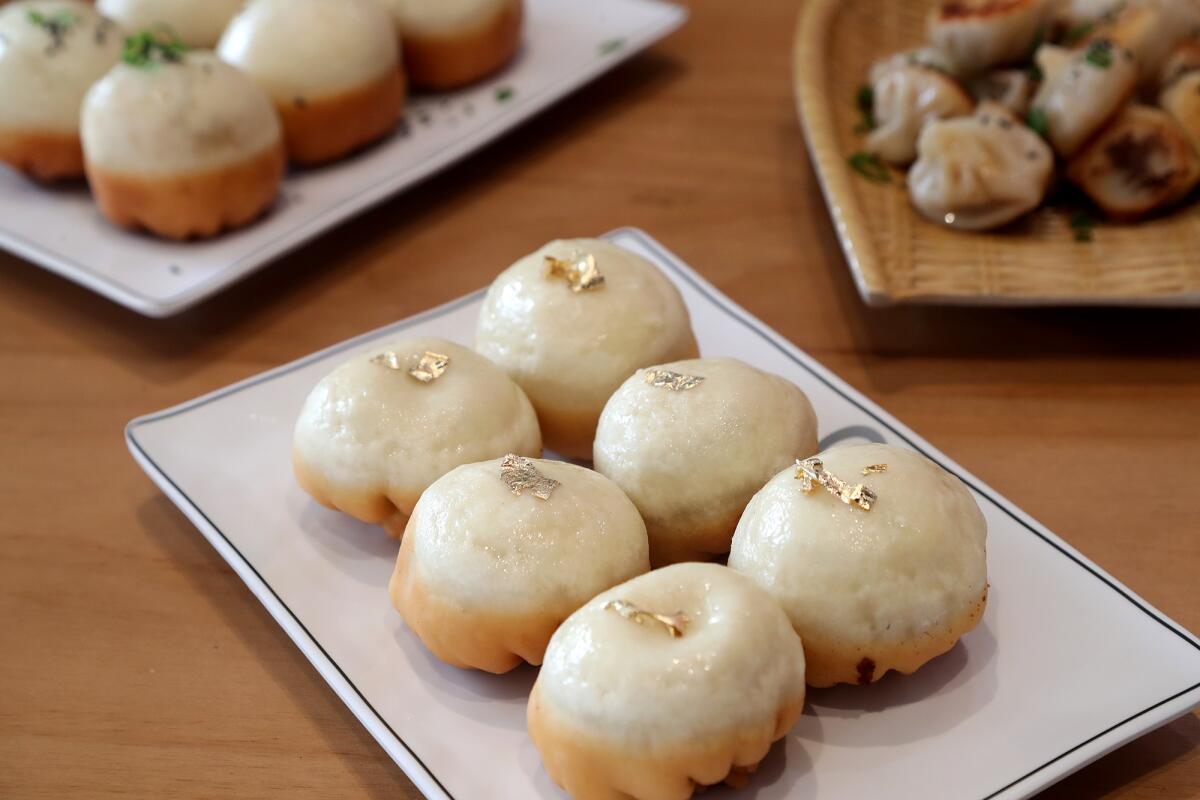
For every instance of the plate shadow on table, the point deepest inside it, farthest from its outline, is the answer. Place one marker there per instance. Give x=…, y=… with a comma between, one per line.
x=164, y=350
x=1139, y=758
x=180, y=543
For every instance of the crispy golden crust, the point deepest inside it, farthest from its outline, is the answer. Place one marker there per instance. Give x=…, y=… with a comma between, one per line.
x=445, y=62
x=828, y=662
x=320, y=130
x=391, y=512
x=190, y=206
x=468, y=638
x=43, y=156
x=1141, y=162
x=591, y=769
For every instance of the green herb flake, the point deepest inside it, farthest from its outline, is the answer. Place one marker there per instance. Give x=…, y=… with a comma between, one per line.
x=1036, y=120
x=870, y=167
x=504, y=94
x=146, y=49
x=60, y=21
x=865, y=100
x=1039, y=39
x=1083, y=226
x=1077, y=33
x=55, y=25
x=1100, y=54
x=611, y=46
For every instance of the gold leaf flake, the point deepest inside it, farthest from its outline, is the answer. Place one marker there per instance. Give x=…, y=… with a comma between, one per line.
x=874, y=469
x=520, y=473
x=674, y=623
x=675, y=381
x=429, y=366
x=811, y=472
x=580, y=271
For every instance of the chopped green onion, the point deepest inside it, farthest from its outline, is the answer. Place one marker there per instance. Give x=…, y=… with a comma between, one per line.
x=611, y=46
x=504, y=94
x=1100, y=54
x=865, y=100
x=62, y=20
x=147, y=48
x=1036, y=120
x=1077, y=33
x=870, y=167
x=1039, y=38
x=1083, y=226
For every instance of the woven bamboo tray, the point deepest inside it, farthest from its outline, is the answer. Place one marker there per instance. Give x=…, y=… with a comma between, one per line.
x=897, y=256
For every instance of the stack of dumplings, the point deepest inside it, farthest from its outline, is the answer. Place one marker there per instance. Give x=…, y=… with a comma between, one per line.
x=1008, y=96
x=662, y=670
x=184, y=114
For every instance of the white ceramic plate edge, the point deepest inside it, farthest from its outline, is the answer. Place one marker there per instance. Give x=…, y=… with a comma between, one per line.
x=1053, y=770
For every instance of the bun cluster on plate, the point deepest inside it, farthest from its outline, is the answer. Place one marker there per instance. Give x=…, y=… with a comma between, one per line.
x=183, y=114
x=1007, y=95
x=657, y=676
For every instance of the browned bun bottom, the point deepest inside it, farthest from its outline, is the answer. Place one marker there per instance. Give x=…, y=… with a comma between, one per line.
x=42, y=155
x=446, y=62
x=323, y=129
x=195, y=205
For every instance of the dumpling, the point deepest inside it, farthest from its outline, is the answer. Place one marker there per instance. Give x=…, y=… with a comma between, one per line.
x=1184, y=58
x=978, y=34
x=1077, y=97
x=1182, y=101
x=1050, y=59
x=905, y=98
x=917, y=57
x=1074, y=13
x=1150, y=29
x=1142, y=162
x=981, y=171
x=1011, y=88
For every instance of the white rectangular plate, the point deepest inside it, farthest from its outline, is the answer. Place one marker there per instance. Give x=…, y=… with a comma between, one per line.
x=1067, y=664
x=566, y=44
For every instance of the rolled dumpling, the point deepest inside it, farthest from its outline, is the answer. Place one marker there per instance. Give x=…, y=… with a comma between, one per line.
x=1079, y=95
x=980, y=34
x=1077, y=13
x=1011, y=88
x=1184, y=59
x=1140, y=163
x=917, y=57
x=1150, y=30
x=905, y=99
x=1182, y=101
x=979, y=172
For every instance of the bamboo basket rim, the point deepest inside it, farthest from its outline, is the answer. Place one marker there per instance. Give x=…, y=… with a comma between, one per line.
x=811, y=63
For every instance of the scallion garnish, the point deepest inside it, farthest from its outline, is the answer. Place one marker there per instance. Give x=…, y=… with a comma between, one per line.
x=1083, y=226
x=147, y=48
x=870, y=167
x=1077, y=33
x=865, y=100
x=1036, y=120
x=1100, y=54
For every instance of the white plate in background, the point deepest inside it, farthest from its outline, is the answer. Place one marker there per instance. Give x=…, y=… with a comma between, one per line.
x=1066, y=665
x=566, y=43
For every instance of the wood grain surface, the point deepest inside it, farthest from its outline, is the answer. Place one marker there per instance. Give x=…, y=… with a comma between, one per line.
x=134, y=663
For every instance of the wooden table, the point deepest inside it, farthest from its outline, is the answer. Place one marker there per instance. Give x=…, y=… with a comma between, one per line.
x=133, y=662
